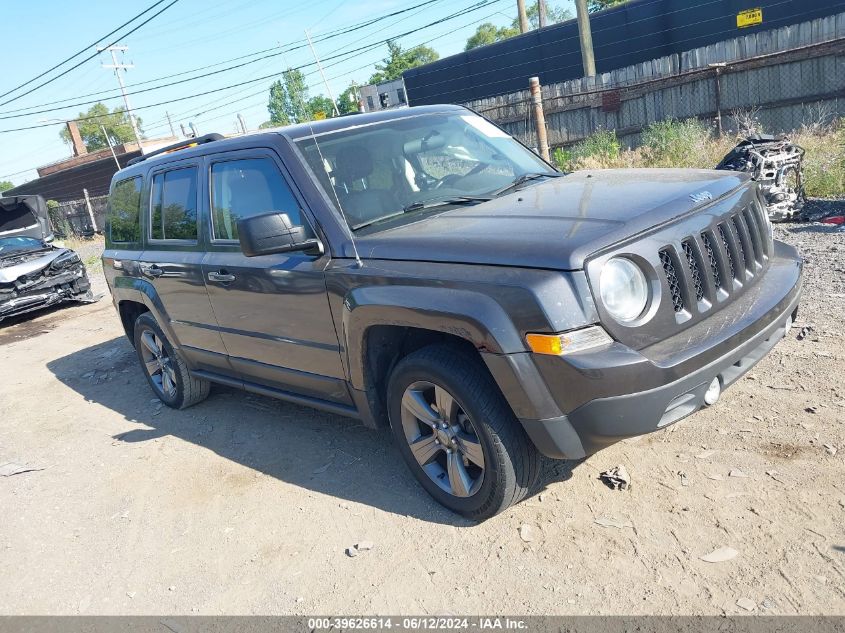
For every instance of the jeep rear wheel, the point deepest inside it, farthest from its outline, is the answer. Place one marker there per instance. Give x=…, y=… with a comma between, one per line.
x=165, y=370
x=457, y=433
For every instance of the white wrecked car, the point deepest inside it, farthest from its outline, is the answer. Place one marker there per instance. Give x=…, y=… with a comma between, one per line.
x=34, y=273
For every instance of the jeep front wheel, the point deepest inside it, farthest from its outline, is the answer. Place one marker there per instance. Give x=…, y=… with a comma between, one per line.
x=457, y=433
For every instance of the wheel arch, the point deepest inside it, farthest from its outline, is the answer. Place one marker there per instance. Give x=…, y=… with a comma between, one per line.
x=381, y=325
x=135, y=299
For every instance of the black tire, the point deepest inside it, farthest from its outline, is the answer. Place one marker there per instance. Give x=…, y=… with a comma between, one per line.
x=511, y=461
x=187, y=390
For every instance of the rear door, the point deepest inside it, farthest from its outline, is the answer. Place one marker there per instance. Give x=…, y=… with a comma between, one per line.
x=172, y=262
x=273, y=310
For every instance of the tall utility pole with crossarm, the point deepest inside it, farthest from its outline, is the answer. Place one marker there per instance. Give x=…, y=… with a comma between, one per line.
x=117, y=68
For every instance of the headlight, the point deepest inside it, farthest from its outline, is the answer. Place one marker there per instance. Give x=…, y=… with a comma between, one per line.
x=624, y=289
x=65, y=260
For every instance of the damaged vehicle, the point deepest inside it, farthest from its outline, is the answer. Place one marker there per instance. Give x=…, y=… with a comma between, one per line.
x=775, y=163
x=423, y=271
x=34, y=273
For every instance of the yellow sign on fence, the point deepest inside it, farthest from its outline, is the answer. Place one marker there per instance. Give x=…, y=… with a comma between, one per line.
x=749, y=17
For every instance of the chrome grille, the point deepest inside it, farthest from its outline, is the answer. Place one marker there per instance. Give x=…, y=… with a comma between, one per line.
x=672, y=279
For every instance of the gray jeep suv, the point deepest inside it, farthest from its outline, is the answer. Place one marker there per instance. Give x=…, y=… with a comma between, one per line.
x=421, y=270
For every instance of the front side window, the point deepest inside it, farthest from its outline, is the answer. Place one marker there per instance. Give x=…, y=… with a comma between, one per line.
x=248, y=187
x=406, y=165
x=125, y=210
x=174, y=205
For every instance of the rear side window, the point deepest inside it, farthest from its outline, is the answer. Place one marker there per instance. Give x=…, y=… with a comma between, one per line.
x=243, y=188
x=125, y=210
x=174, y=205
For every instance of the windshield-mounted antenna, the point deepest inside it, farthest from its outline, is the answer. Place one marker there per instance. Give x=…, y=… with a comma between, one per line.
x=323, y=163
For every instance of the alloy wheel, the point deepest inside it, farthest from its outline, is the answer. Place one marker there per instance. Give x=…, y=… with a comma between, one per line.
x=442, y=439
x=158, y=364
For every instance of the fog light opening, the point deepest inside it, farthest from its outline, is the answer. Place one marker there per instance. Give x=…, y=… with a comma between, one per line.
x=711, y=396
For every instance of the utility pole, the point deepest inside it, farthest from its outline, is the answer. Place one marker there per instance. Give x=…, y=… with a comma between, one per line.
x=242, y=122
x=586, y=36
x=320, y=67
x=170, y=123
x=117, y=68
x=523, y=16
x=541, y=13
x=111, y=147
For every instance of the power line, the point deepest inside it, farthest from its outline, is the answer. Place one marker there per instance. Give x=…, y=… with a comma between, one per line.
x=295, y=45
x=78, y=53
x=90, y=57
x=471, y=8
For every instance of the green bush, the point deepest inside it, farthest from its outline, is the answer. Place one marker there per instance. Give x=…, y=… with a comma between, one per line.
x=674, y=143
x=824, y=162
x=61, y=227
x=602, y=149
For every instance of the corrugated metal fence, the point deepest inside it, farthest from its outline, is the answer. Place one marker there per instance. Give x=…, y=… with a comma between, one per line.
x=787, y=77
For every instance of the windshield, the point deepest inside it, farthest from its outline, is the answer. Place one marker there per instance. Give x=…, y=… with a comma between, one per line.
x=15, y=244
x=403, y=166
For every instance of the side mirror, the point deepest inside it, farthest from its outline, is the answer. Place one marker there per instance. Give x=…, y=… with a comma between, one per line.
x=272, y=233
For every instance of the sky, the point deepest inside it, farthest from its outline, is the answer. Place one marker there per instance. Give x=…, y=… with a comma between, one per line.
x=193, y=34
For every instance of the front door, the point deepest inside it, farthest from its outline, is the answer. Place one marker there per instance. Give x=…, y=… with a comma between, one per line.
x=273, y=310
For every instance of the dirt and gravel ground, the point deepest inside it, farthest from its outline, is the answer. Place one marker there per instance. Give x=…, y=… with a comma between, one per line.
x=246, y=505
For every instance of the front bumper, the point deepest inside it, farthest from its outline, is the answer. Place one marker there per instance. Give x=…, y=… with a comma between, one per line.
x=611, y=394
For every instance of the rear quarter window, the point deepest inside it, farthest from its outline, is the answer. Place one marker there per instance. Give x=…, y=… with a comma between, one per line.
x=174, y=205
x=125, y=210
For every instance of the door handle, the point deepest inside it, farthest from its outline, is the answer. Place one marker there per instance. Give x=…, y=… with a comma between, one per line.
x=151, y=270
x=221, y=276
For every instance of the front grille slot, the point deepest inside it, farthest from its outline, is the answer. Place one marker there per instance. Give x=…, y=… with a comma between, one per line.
x=757, y=240
x=711, y=257
x=742, y=245
x=672, y=279
x=694, y=268
x=728, y=251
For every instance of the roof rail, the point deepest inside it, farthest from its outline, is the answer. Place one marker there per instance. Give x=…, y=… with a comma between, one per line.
x=188, y=142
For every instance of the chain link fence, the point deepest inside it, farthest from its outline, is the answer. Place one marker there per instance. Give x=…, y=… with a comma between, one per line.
x=773, y=81
x=74, y=218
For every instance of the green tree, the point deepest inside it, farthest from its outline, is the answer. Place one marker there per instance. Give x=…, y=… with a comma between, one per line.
x=489, y=33
x=5, y=185
x=288, y=101
x=553, y=15
x=399, y=60
x=347, y=101
x=320, y=107
x=277, y=106
x=601, y=5
x=116, y=122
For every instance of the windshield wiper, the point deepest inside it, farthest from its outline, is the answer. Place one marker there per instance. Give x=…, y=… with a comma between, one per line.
x=521, y=180
x=426, y=204
x=441, y=202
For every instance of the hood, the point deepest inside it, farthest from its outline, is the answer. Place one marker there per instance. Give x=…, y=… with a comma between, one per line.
x=22, y=263
x=24, y=216
x=557, y=223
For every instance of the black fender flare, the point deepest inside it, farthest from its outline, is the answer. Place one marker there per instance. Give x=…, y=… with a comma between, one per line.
x=142, y=291
x=472, y=316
